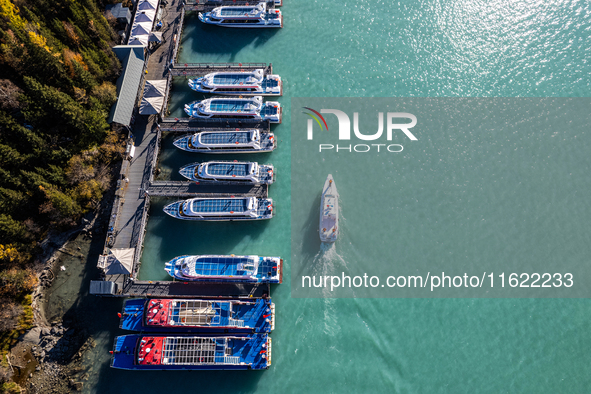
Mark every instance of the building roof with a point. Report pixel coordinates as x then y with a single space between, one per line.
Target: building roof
119 12
128 83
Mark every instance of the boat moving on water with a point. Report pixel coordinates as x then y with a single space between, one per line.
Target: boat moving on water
329 211
191 352
215 268
235 108
237 141
221 209
191 315
243 16
245 83
230 171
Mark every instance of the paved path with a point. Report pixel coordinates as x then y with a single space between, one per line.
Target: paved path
129 227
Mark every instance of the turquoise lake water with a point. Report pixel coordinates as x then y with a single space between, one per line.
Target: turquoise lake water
395 49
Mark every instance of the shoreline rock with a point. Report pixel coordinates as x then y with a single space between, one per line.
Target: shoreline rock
49 355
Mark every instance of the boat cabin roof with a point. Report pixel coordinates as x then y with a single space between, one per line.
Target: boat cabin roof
221 205
230 169
231 137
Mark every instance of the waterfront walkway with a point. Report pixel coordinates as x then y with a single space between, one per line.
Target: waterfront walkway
132 202
128 226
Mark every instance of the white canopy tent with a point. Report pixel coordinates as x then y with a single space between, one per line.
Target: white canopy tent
119 261
145 16
155 36
153 99
141 29
147 5
143 21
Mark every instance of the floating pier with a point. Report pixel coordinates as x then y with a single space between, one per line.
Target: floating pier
201 69
178 289
206 189
193 125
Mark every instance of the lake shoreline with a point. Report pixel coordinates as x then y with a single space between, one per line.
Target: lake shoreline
48 357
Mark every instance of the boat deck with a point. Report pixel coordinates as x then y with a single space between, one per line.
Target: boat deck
231 79
229 142
230 105
233 137
269 83
223 266
188 313
265 207
237 11
220 205
228 169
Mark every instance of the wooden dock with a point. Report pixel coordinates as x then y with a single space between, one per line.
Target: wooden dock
192 289
200 69
192 125
205 190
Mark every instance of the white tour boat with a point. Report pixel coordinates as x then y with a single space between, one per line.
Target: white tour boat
235 141
229 171
246 83
244 16
329 211
222 209
235 108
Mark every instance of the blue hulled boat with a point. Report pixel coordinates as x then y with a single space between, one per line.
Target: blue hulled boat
191 352
186 315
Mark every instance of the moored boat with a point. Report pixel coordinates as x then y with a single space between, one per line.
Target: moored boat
222 209
236 141
245 83
235 108
195 315
244 16
276 3
191 352
216 268
329 211
230 171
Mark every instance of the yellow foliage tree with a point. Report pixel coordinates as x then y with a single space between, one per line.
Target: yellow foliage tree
10 12
9 253
39 40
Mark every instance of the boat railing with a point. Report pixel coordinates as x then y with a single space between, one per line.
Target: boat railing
231 360
236 323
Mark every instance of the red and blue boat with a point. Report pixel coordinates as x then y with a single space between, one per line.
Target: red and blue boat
191 352
197 315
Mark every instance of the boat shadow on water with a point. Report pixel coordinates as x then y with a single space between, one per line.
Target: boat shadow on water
200 38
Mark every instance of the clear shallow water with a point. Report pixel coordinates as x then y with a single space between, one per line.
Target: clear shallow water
367 48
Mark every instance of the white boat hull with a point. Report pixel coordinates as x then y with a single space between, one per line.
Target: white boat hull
329 211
